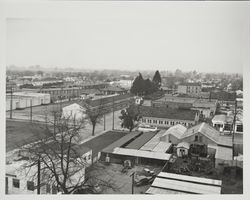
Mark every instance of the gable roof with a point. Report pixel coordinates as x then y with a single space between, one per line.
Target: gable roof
204 129
177 131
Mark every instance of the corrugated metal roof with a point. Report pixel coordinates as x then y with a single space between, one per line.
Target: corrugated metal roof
186 184
142 154
150 145
141 140
153 190
177 130
162 147
190 178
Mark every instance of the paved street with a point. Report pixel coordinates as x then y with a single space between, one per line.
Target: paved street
23 116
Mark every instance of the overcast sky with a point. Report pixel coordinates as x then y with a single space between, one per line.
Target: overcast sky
210 37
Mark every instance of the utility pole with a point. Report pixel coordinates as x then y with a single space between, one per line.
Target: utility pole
11 101
38 175
31 110
113 113
234 120
104 122
133 180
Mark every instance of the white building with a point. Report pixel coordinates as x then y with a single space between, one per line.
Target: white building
74 112
21 100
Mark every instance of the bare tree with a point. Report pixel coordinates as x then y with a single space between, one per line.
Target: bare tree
59 156
94 114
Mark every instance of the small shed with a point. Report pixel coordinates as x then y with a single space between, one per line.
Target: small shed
182 149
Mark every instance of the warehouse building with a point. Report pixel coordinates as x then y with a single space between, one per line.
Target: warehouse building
138 148
169 183
21 100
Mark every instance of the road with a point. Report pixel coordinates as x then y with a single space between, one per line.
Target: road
23 116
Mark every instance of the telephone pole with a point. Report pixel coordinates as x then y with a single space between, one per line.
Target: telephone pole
38 175
133 180
31 110
11 101
104 122
113 113
234 120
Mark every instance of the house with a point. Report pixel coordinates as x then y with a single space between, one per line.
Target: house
169 183
224 123
168 117
206 108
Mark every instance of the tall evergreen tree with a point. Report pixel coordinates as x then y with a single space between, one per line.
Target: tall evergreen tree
138 85
157 79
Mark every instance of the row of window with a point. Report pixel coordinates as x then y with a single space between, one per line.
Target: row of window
16 184
165 122
31 186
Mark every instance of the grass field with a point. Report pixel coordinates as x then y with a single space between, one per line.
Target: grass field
19 133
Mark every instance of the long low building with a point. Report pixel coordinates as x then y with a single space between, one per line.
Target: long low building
168 117
21 100
130 147
168 183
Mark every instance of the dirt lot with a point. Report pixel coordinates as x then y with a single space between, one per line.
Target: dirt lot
122 182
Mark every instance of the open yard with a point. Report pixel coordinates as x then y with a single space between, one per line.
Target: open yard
121 181
19 133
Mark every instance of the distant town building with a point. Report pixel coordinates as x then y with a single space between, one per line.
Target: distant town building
189 88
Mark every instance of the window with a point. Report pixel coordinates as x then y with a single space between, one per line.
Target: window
200 138
227 127
16 183
30 185
196 138
239 128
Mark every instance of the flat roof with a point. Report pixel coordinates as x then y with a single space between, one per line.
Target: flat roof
168 113
142 154
141 140
186 184
121 141
175 99
155 190
190 178
100 142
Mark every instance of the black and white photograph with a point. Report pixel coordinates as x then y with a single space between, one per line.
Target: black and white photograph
123 97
